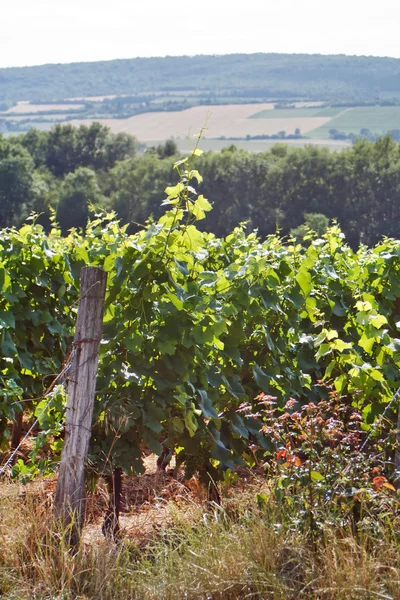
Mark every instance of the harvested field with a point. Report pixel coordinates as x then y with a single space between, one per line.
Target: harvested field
26 107
228 120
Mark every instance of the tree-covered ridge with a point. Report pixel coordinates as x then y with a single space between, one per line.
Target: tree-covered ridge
68 169
246 75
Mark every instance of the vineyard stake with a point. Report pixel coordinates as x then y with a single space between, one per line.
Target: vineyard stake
70 493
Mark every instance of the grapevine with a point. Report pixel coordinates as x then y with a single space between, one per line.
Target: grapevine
195 326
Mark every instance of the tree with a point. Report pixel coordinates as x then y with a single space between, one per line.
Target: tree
366 133
316 222
77 191
90 146
17 189
61 155
36 142
169 148
93 146
121 146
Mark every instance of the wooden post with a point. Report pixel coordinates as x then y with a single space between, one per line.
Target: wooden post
70 493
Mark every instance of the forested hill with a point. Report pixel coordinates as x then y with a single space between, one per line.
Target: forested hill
340 78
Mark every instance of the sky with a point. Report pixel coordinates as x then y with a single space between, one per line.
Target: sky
34 32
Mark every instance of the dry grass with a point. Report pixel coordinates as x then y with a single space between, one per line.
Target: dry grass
173 547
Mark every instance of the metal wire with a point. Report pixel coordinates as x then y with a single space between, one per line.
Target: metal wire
372 431
61 377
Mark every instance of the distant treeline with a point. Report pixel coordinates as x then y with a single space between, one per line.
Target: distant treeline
68 168
334 134
281 135
276 76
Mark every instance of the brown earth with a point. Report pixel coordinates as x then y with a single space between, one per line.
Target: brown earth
149 502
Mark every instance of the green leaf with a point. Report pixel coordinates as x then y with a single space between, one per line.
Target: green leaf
203 204
194 173
340 383
178 425
377 375
174 191
304 280
7 345
378 321
363 306
234 386
262 379
182 267
192 238
191 422
323 350
167 346
340 345
154 446
109 262
366 343
2 277
7 319
206 405
332 334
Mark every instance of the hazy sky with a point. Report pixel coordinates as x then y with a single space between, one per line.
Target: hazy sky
50 31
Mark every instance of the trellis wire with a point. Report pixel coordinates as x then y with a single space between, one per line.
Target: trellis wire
380 419
59 379
372 431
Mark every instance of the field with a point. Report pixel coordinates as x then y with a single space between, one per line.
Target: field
26 107
226 120
153 120
297 113
378 119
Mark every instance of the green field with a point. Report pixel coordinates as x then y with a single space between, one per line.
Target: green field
378 119
296 113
